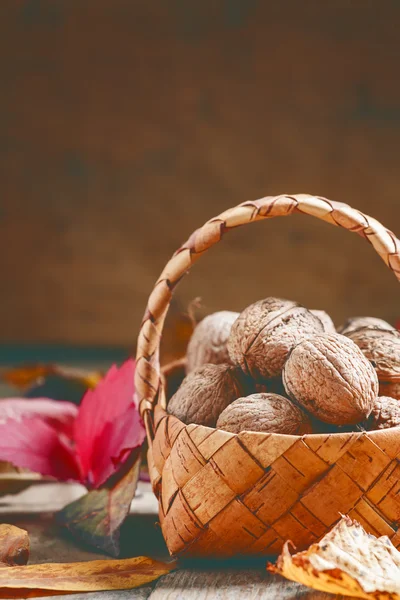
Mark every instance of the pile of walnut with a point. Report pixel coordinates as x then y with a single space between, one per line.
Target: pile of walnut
278 367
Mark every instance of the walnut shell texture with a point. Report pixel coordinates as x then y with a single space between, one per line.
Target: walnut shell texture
267 413
205 393
331 378
265 332
209 339
382 347
390 389
357 322
328 324
385 414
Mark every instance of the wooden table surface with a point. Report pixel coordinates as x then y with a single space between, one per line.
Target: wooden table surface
195 580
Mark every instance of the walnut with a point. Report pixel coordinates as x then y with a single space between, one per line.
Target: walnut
205 392
382 348
385 414
357 322
325 319
268 413
265 332
390 388
209 339
331 378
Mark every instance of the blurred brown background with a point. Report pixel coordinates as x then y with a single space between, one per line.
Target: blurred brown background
125 124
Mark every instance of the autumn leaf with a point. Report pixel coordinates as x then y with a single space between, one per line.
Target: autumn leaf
27 375
91 576
348 561
97 444
32 443
60 415
52 381
86 444
14 545
108 425
96 518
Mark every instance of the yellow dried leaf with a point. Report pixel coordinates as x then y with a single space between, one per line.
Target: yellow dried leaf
346 561
23 377
91 576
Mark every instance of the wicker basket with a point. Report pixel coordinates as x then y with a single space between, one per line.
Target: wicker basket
222 494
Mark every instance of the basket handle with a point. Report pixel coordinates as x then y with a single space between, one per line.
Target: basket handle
147 373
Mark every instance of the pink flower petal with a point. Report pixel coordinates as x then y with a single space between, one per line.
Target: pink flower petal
114 445
60 415
31 443
108 423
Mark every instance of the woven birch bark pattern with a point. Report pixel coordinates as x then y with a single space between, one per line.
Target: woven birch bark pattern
222 494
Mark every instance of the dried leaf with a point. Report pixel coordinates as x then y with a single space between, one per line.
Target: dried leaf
96 518
52 381
97 444
14 545
28 375
346 561
91 576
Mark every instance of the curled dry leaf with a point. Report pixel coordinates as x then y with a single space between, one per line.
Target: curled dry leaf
346 561
91 576
14 545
